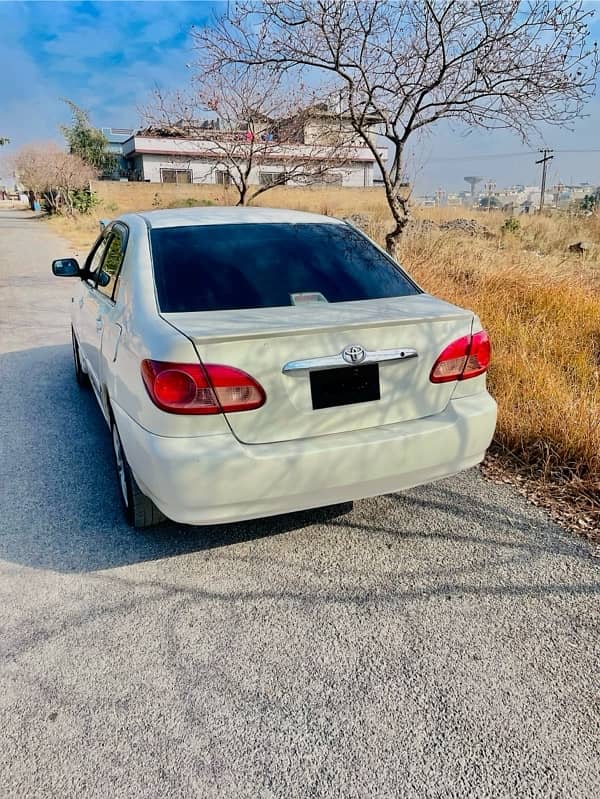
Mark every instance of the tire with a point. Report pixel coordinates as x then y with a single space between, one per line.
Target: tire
140 511
83 380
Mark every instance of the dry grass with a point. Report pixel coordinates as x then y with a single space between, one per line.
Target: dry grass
540 303
119 198
545 328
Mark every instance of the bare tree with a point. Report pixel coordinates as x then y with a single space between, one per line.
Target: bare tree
254 123
487 63
53 174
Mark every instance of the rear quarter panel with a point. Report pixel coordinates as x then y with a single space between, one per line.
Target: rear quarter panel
144 334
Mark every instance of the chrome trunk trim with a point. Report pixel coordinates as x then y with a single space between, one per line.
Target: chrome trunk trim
338 361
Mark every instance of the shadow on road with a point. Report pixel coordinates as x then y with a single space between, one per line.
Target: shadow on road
60 507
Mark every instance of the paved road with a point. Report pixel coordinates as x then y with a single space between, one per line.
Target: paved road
438 643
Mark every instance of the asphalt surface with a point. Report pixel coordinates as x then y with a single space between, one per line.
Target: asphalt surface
437 643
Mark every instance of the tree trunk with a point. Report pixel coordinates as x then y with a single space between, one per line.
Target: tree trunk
399 207
50 197
397 197
243 191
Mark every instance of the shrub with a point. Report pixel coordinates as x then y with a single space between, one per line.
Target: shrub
84 201
190 202
511 225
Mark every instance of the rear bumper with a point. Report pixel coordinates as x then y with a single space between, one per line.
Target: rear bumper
212 479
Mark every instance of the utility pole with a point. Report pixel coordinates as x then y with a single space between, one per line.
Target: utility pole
546 156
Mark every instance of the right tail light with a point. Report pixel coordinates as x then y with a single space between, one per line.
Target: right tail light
466 357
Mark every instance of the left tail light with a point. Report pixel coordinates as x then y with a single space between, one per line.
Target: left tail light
201 389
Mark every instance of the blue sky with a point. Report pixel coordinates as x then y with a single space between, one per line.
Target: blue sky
107 57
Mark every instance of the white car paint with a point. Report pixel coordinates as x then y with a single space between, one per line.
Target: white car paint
283 456
260 341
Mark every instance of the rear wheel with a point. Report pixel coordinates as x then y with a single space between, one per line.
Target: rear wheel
82 378
140 511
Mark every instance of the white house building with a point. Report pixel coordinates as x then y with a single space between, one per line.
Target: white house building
198 157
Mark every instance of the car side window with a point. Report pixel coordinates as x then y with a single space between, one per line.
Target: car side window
108 274
95 259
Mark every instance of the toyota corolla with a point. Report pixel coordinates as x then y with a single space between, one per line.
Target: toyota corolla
251 362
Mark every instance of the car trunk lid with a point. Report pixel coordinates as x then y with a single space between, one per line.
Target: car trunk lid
264 341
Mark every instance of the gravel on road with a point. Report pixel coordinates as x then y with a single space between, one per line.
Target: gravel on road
441 642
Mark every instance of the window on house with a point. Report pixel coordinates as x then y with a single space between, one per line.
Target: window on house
222 177
176 175
271 178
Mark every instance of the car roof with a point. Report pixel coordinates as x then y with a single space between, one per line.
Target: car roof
228 215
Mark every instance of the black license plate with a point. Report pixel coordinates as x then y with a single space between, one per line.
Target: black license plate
345 386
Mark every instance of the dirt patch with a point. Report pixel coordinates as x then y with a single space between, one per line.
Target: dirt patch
468 227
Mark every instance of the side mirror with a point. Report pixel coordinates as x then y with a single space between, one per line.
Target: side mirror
103 279
66 267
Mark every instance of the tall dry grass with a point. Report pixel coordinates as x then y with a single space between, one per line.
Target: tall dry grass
544 323
540 303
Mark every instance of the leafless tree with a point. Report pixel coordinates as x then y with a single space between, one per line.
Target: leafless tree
487 63
254 122
55 175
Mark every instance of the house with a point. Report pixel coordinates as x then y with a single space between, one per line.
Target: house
181 154
455 199
518 196
426 201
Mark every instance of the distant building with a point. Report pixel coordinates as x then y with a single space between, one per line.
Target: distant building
517 197
513 199
182 155
443 199
455 199
426 201
562 196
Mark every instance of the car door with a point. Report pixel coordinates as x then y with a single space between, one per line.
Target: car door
87 313
107 325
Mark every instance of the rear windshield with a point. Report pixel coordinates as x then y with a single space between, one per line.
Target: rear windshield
227 267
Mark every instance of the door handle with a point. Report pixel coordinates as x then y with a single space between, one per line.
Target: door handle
99 323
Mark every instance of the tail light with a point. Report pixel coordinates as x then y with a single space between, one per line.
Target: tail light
466 357
201 388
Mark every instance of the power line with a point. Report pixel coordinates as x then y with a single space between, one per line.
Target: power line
479 157
592 150
507 155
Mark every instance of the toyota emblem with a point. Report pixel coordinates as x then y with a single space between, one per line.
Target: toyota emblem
354 354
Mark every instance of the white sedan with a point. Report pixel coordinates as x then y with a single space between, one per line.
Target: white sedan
251 362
